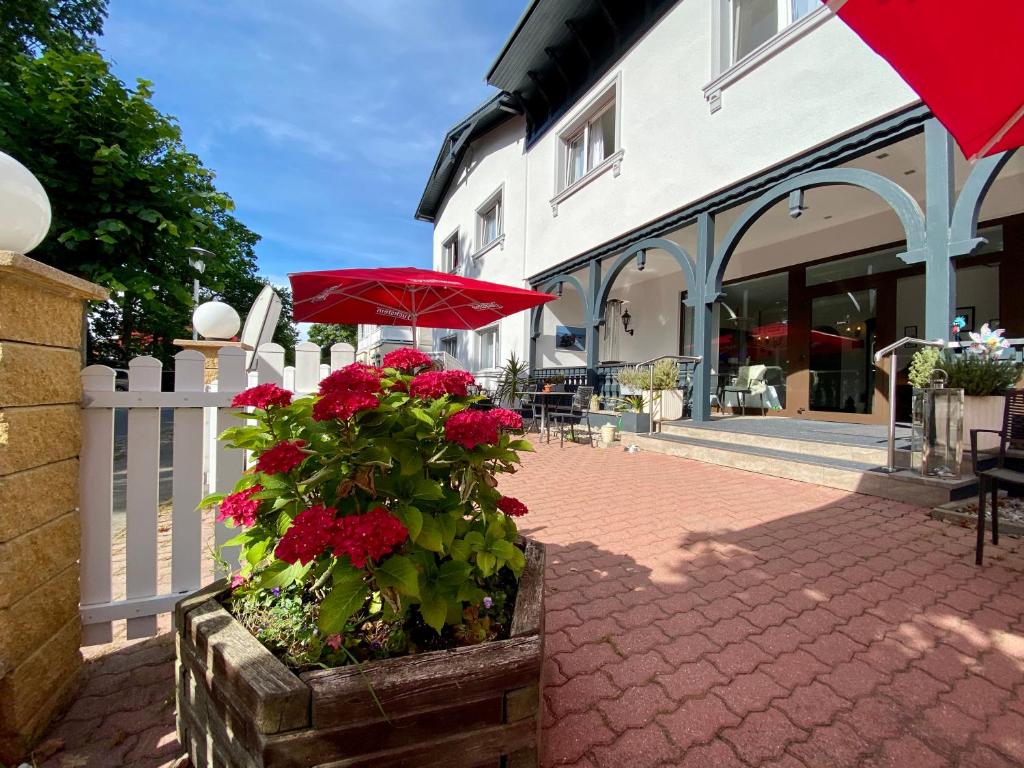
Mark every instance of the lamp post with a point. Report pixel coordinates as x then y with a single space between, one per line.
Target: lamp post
199 266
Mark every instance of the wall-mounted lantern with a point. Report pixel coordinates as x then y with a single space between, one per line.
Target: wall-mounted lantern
627 319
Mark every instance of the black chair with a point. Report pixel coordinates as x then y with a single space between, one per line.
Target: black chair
990 478
577 413
532 404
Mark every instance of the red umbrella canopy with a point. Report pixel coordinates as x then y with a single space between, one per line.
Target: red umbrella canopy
405 296
962 57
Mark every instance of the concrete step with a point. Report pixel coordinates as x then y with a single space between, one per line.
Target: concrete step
817 468
874 456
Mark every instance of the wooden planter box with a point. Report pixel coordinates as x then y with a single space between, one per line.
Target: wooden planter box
239 706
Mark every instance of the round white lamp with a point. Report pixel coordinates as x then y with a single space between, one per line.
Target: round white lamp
216 320
24 207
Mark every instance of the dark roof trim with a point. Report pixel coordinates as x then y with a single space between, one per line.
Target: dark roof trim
490 114
523 18
895 127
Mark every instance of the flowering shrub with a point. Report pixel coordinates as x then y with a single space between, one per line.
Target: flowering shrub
369 520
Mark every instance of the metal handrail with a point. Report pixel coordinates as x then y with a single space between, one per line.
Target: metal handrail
890 352
650 363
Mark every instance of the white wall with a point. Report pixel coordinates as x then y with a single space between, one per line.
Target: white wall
494 161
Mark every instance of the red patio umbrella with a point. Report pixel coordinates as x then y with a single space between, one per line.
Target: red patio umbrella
962 57
405 296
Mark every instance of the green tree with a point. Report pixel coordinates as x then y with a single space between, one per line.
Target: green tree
324 335
128 199
29 26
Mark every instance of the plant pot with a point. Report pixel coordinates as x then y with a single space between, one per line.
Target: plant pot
983 413
595 403
547 387
607 434
635 422
625 390
238 705
669 406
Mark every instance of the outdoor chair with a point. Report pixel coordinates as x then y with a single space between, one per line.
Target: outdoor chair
577 413
990 478
531 404
749 381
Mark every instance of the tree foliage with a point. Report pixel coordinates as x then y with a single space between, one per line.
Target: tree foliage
128 198
325 335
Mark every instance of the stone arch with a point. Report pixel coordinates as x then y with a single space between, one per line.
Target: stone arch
902 203
546 287
673 249
963 229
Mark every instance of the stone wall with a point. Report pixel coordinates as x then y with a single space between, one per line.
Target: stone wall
41 316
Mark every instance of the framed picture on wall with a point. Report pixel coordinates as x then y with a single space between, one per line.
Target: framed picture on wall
968 314
570 337
910 330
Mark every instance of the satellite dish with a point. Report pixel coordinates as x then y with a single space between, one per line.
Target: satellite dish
260 323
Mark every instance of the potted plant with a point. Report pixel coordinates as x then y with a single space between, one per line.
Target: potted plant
984 373
555 383
386 611
632 379
632 417
511 382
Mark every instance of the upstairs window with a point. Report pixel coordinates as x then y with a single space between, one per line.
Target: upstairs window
450 254
754 22
450 345
588 145
488 222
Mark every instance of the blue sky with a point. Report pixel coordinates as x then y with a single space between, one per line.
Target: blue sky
321 118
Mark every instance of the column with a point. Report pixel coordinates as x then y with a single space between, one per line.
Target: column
940 269
703 317
593 322
41 331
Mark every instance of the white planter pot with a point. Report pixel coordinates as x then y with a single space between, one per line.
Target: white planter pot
983 413
669 406
625 390
607 434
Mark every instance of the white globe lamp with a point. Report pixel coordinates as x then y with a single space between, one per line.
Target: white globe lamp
216 320
24 207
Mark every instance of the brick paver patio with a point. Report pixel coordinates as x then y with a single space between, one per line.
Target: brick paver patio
703 616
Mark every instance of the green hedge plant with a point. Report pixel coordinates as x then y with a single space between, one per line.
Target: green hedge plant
370 524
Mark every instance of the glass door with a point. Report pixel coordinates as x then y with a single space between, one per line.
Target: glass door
842 341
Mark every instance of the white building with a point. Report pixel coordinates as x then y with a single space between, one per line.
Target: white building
742 180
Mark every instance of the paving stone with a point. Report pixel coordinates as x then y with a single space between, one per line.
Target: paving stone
637 669
694 679
762 736
977 695
717 754
906 751
794 669
682 650
776 641
581 693
853 679
814 704
697 721
573 736
947 725
832 746
636 707
644 748
749 693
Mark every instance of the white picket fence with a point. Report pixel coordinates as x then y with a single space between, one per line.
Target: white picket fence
201 465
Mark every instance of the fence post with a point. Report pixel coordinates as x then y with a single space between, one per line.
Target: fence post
229 463
307 367
342 354
41 314
187 480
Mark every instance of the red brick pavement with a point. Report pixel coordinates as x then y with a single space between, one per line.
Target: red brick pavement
703 616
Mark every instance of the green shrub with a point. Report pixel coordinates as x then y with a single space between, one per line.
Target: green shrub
977 375
924 361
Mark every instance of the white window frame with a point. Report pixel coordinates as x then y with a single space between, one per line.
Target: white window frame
725 71
495 200
608 97
452 241
452 338
495 362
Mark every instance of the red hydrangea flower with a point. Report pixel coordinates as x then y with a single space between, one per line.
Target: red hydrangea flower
406 359
283 457
512 506
342 404
471 428
434 384
308 536
241 507
262 396
507 419
357 377
371 535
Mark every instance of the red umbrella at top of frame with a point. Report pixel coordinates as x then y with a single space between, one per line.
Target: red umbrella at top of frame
419 298
962 57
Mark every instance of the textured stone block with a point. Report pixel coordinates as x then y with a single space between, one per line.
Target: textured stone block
32 558
36 435
30 622
37 689
33 375
37 316
23 507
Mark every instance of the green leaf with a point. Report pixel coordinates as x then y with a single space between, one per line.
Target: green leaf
426 488
520 445
255 553
447 526
486 562
398 573
453 573
434 609
411 518
430 535
503 549
282 574
347 597
475 540
517 562
460 549
209 501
